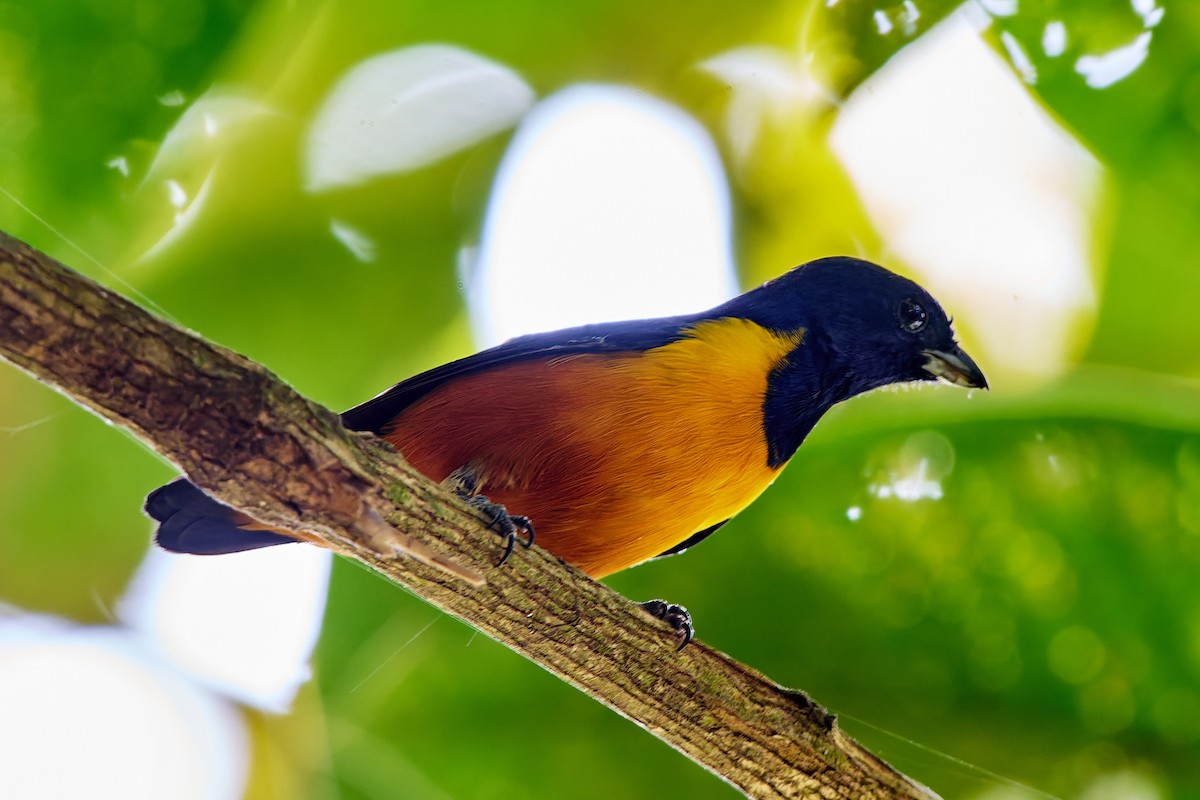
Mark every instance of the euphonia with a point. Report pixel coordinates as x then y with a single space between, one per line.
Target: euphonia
626 441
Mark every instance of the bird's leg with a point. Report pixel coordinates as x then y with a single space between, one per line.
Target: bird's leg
674 615
465 482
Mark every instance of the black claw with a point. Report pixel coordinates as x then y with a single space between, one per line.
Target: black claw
523 523
504 524
674 615
509 541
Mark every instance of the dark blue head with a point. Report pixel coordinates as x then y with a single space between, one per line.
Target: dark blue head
865 327
873 325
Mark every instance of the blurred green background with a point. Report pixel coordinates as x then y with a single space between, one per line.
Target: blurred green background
1038 623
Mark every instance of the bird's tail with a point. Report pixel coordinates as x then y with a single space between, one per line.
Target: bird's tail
189 521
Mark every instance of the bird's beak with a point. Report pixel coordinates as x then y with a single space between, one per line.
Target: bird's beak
954 366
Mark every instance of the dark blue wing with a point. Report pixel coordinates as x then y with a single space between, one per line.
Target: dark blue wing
606 337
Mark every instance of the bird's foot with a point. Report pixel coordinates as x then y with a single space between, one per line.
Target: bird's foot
674 615
466 482
505 524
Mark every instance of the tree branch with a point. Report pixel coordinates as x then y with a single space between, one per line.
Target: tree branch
255 444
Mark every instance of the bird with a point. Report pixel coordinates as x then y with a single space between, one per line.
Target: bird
629 441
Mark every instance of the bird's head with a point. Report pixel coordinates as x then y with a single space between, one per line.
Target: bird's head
879 327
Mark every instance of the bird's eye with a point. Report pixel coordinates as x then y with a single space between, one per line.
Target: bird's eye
913 316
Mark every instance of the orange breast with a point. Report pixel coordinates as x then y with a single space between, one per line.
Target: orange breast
615 458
